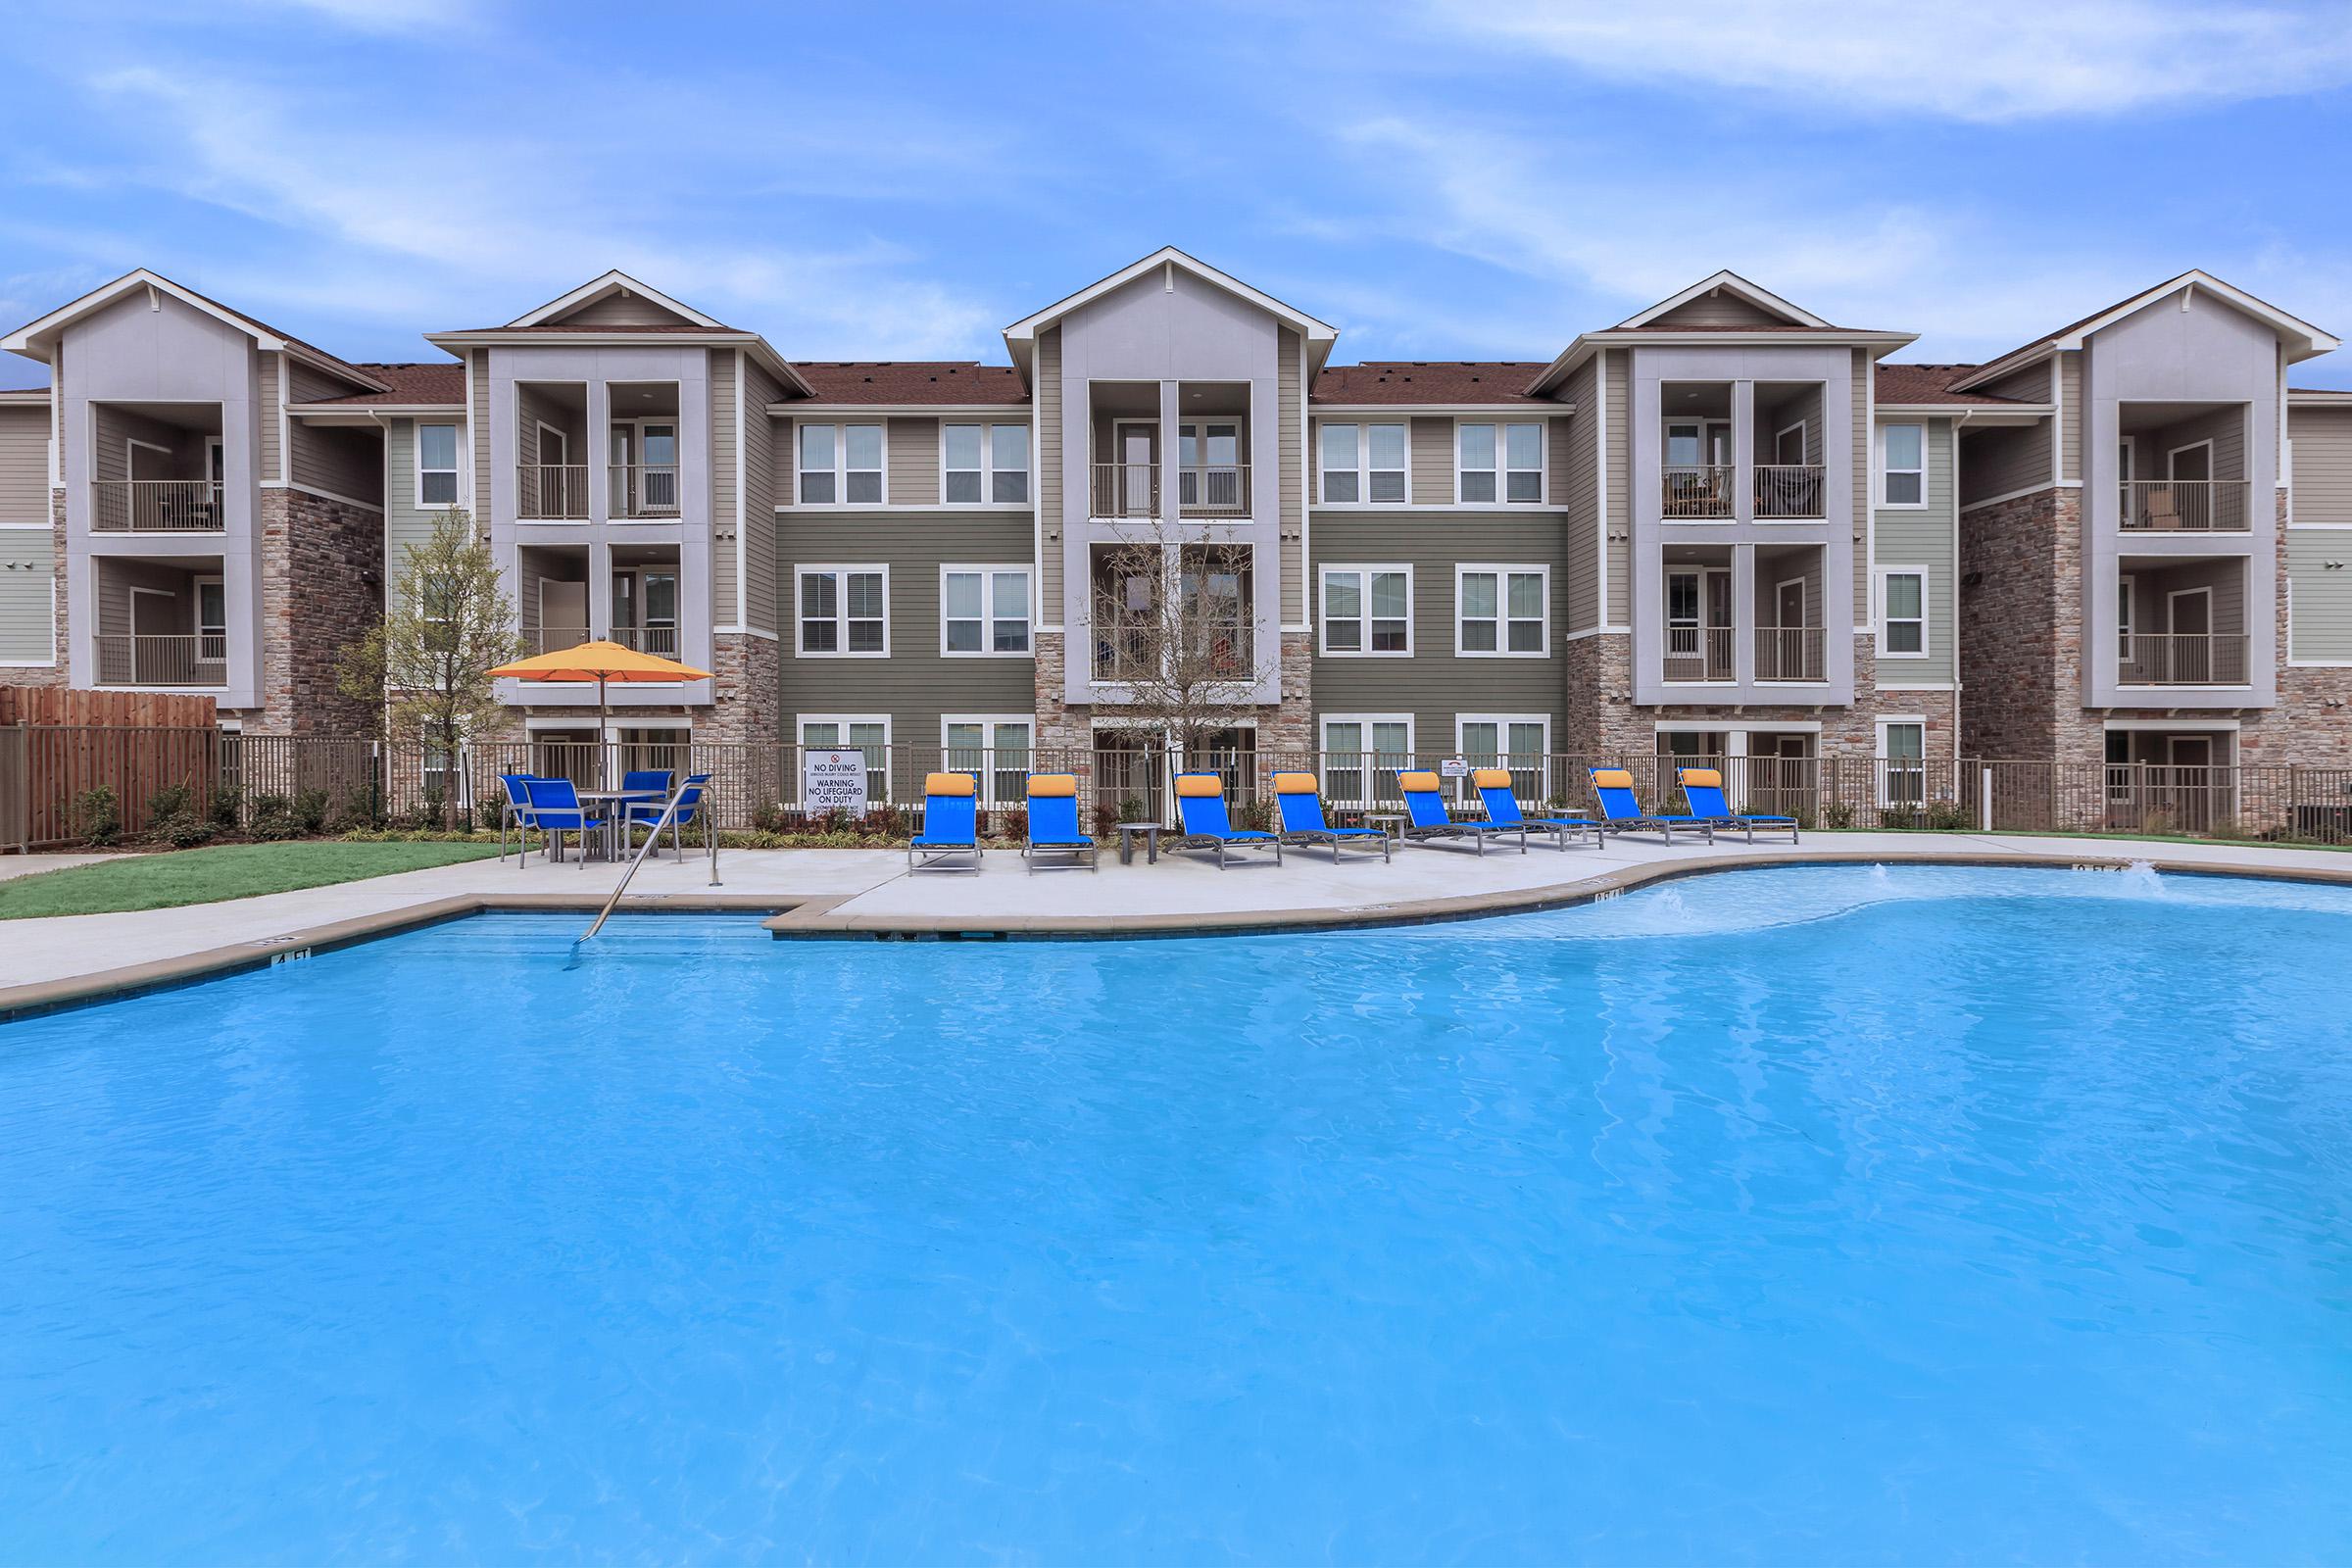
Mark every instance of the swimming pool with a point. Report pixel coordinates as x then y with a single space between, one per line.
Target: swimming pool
1808 1214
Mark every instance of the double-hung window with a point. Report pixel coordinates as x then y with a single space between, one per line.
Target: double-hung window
1501 611
1903 465
1359 753
1498 462
856 732
1368 609
845 612
1364 464
984 610
841 464
1519 742
437 466
985 464
1902 753
994 750
1906 614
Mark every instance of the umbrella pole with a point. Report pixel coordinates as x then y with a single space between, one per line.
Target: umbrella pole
604 719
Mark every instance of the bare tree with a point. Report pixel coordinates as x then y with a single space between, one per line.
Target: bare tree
426 667
1172 625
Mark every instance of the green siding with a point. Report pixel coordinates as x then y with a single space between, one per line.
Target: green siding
2320 612
405 522
1924 538
27 616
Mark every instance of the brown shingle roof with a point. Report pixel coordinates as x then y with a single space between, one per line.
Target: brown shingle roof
1931 383
912 381
441 383
596 328
1433 382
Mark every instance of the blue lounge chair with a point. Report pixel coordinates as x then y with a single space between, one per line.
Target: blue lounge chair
555 810
1493 785
1054 823
1620 812
1301 801
1426 816
1201 802
518 812
1702 792
949 803
648 814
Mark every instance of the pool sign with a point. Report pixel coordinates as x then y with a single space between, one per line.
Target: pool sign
1455 767
833 781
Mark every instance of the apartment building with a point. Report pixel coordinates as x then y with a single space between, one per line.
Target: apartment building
1723 526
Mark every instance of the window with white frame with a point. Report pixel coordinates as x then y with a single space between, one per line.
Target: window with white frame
437 466
845 612
985 464
2124 595
841 464
1903 465
1360 751
1519 742
1368 609
1905 633
1364 464
841 732
984 611
994 750
1501 611
1902 760
1498 462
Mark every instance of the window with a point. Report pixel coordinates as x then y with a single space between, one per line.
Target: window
437 466
1903 465
845 612
994 750
1363 464
836 732
1902 767
212 619
984 611
2123 616
985 464
1368 609
841 464
1520 448
1519 742
1501 612
1905 635
1361 753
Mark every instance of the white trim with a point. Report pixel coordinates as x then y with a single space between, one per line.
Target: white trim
1601 476
1546 410
1926 649
1502 470
1322 719
2174 452
1878 498
1307 456
1879 753
1169 255
799 730
1364 572
1363 470
841 464
1369 755
24 339
1731 281
1503 721
2126 614
1596 631
615 283
841 607
1799 428
1503 572
418 470
329 495
2311 339
743 502
745 631
1918 686
988 573
991 756
2012 495
2172 596
1741 726
987 469
2217 726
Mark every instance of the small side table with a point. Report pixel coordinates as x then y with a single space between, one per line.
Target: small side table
1128 832
1390 822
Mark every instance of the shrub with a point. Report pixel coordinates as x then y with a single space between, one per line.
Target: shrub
98 815
486 815
182 830
1842 816
361 808
770 818
273 819
229 805
309 810
172 800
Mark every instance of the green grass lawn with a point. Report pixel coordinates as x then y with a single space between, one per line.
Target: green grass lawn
203 877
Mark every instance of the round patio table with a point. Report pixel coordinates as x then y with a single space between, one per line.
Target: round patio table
621 800
1127 832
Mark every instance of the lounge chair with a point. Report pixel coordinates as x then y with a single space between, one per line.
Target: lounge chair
1702 791
1426 816
1302 804
648 814
949 803
1201 804
516 811
1620 812
555 810
1054 823
1493 785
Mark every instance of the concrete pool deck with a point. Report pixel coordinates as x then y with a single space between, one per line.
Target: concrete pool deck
60 960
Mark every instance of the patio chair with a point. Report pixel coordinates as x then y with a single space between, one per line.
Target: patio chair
1200 804
1494 793
951 803
648 814
1053 824
1426 816
555 810
1620 812
516 809
1702 792
1300 798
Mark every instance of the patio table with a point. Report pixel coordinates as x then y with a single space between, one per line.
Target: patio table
620 800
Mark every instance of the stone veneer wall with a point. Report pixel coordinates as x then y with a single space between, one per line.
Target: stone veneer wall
322 586
749 692
1285 729
2021 625
1603 719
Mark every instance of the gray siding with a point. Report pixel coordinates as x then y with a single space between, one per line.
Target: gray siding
1290 471
616 310
1049 475
2318 574
724 497
1433 461
760 482
912 454
406 522
1617 396
1858 404
1575 471
27 578
339 460
479 373
25 464
1718 308
1924 538
2151 593
273 458
2004 461
113 429
2323 472
2070 410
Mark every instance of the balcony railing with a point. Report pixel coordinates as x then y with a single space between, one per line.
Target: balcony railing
555 639
2185 505
1123 649
176 659
1126 490
1697 492
645 490
1790 653
659 641
1698 652
1216 491
552 491
155 506
1790 490
2182 658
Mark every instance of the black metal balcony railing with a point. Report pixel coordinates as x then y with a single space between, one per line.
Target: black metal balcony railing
1786 490
155 506
1698 652
2185 505
1790 653
2182 658
173 659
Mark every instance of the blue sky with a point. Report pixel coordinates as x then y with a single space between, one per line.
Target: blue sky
1440 179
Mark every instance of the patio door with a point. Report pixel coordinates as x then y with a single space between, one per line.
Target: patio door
1209 454
2189 613
562 615
2189 790
155 657
1138 456
212 620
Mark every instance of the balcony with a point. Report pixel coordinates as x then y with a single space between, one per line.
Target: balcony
157 506
659 641
2185 505
556 639
551 492
1213 490
1792 652
162 659
2182 659
1698 491
1789 491
1700 653
1125 490
644 491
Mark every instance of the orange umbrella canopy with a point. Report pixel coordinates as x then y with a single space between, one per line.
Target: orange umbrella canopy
600 661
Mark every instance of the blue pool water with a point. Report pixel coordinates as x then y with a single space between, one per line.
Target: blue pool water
1822 1215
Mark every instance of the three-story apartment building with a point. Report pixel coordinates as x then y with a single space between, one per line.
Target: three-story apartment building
1724 526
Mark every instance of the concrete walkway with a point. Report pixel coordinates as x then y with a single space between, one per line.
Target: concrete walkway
853 892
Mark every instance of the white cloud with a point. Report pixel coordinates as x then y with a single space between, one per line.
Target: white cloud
1989 61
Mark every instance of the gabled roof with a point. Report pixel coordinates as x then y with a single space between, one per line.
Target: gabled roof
1646 327
1912 386
1427 383
1727 282
2303 340
546 324
611 283
910 382
440 385
34 339
1021 335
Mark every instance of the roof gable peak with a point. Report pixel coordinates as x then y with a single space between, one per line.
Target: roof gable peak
1727 282
612 285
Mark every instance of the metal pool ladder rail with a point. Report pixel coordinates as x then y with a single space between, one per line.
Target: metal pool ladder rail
668 810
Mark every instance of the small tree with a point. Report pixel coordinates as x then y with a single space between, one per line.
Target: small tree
1173 624
424 667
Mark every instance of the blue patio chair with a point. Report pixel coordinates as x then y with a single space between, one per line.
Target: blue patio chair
1494 793
1300 798
950 803
1200 804
1054 823
1426 816
555 810
647 781
1620 812
1702 792
516 809
648 814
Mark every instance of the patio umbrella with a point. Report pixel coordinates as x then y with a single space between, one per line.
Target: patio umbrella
599 661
